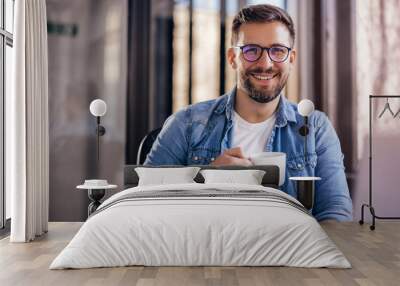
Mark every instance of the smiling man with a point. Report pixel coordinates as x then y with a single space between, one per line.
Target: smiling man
256 117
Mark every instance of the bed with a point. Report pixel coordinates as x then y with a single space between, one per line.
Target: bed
198 224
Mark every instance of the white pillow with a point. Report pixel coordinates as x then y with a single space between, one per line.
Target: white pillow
164 176
248 177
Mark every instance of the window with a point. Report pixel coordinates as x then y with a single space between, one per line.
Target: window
197 57
6 65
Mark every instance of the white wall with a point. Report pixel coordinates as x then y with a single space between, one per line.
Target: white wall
385 176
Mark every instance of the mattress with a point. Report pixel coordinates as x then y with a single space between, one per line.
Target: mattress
201 225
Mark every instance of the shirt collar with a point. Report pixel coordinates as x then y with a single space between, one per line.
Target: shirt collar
284 113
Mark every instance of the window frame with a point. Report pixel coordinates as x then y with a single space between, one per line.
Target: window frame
6 39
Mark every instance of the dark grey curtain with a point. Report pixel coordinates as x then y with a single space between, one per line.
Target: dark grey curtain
139 13
150 59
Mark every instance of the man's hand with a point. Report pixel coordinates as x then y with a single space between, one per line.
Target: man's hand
233 156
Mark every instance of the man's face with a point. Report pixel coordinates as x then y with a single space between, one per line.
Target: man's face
263 79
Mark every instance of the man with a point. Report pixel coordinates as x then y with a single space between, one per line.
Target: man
256 117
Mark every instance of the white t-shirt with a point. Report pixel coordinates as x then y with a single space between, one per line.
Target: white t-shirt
251 137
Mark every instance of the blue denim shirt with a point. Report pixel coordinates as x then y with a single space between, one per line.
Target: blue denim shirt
201 132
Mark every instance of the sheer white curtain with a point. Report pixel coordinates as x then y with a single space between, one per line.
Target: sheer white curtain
27 124
378 67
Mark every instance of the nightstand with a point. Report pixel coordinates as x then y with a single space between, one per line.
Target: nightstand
96 190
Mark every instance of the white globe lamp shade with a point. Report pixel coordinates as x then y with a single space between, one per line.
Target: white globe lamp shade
305 107
98 107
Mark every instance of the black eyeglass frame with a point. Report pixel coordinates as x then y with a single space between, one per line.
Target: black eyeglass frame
262 51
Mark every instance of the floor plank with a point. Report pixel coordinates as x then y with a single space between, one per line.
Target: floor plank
374 255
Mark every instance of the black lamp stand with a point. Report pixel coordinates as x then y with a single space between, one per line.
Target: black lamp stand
95 195
304 130
100 131
305 188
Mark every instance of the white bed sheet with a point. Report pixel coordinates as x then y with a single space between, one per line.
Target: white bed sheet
200 231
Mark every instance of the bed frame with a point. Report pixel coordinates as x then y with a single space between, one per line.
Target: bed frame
270 179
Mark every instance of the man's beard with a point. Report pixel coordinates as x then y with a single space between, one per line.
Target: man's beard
261 96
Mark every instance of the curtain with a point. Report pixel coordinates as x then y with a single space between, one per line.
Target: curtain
27 158
378 66
378 70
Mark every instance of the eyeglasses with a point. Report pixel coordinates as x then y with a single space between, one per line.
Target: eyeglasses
253 52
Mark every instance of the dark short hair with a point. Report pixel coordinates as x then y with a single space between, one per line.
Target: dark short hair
262 13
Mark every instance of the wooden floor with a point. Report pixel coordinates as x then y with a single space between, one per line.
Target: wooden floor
374 255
